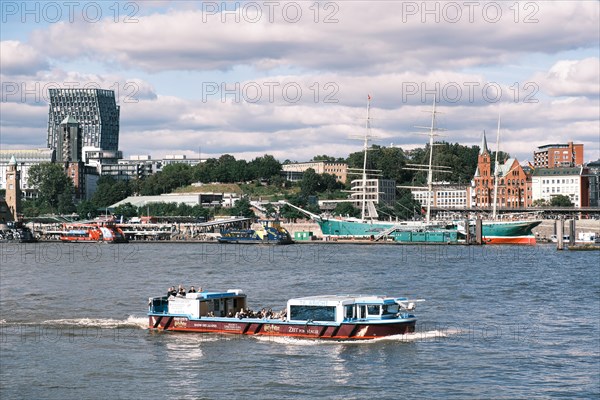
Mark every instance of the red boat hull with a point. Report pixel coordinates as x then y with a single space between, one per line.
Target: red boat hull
357 330
528 240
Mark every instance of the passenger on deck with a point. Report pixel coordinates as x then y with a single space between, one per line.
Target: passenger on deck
181 292
192 290
171 292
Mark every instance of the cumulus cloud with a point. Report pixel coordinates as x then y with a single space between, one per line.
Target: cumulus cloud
378 36
20 58
572 78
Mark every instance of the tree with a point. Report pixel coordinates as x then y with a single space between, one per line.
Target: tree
310 183
265 167
406 206
242 208
55 189
127 210
110 191
539 203
346 209
561 201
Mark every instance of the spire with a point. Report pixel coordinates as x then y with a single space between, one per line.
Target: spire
13 160
483 148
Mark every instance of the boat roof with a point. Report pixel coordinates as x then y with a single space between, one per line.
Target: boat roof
331 300
215 295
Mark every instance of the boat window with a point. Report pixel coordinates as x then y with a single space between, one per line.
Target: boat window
315 313
362 312
373 309
390 309
216 305
349 312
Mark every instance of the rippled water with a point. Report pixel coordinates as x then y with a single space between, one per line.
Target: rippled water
499 322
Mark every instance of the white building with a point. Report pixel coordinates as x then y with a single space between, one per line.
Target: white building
444 196
25 159
293 171
379 191
547 183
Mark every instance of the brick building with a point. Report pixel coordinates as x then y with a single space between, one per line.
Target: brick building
558 156
514 185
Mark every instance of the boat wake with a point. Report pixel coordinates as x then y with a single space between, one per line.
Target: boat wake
105 323
406 338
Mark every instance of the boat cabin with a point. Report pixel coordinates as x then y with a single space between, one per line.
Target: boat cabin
340 308
200 304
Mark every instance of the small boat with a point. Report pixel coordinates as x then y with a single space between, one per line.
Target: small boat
338 317
104 231
274 234
582 238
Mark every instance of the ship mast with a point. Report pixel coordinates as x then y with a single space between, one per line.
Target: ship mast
366 148
494 206
430 170
433 129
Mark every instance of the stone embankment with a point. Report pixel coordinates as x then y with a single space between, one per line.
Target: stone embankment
546 228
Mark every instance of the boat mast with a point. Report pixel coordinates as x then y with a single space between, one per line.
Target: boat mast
496 171
365 148
430 169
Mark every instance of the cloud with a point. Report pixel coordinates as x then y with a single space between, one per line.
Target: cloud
20 58
572 78
364 36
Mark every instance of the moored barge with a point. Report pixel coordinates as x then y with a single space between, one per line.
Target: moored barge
338 317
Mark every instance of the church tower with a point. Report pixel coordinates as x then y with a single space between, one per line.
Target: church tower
13 189
484 180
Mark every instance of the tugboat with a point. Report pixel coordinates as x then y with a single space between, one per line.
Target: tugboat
274 234
338 317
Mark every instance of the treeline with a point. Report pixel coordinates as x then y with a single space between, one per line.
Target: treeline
56 189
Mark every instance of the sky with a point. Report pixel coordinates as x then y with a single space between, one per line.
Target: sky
292 78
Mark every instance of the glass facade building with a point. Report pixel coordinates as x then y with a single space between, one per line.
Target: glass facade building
96 111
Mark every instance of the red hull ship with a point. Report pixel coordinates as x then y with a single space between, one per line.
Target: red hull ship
339 317
94 232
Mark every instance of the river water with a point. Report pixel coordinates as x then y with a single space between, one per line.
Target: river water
498 322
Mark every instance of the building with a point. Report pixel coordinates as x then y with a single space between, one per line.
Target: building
444 195
379 191
25 159
180 159
593 169
514 185
293 171
558 155
13 189
190 199
136 167
547 183
95 110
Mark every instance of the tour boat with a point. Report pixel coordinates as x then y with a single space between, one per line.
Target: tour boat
100 231
338 317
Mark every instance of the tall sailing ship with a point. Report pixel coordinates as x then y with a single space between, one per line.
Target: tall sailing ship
494 231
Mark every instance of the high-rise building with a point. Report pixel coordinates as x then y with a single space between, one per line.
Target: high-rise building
96 112
558 156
